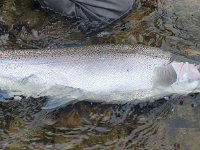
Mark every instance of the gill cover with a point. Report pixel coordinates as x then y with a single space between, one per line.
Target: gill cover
177 77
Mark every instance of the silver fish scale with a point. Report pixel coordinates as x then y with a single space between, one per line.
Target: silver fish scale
86 50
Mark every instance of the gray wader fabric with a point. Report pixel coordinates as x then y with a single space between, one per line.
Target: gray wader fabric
106 11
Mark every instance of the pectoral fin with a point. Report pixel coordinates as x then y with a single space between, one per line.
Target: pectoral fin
164 76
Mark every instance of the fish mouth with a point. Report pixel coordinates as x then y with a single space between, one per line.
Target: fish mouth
175 73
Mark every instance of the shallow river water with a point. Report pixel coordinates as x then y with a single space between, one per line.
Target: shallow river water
172 123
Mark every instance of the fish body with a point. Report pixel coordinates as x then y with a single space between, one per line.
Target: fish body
100 72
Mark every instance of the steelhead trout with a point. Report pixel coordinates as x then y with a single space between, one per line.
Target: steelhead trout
109 73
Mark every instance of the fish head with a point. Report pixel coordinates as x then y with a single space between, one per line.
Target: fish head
177 77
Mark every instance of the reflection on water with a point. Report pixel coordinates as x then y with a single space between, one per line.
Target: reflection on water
164 124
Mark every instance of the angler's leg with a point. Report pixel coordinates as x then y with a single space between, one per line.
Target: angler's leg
93 10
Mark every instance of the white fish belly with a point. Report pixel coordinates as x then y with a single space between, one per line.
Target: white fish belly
92 74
